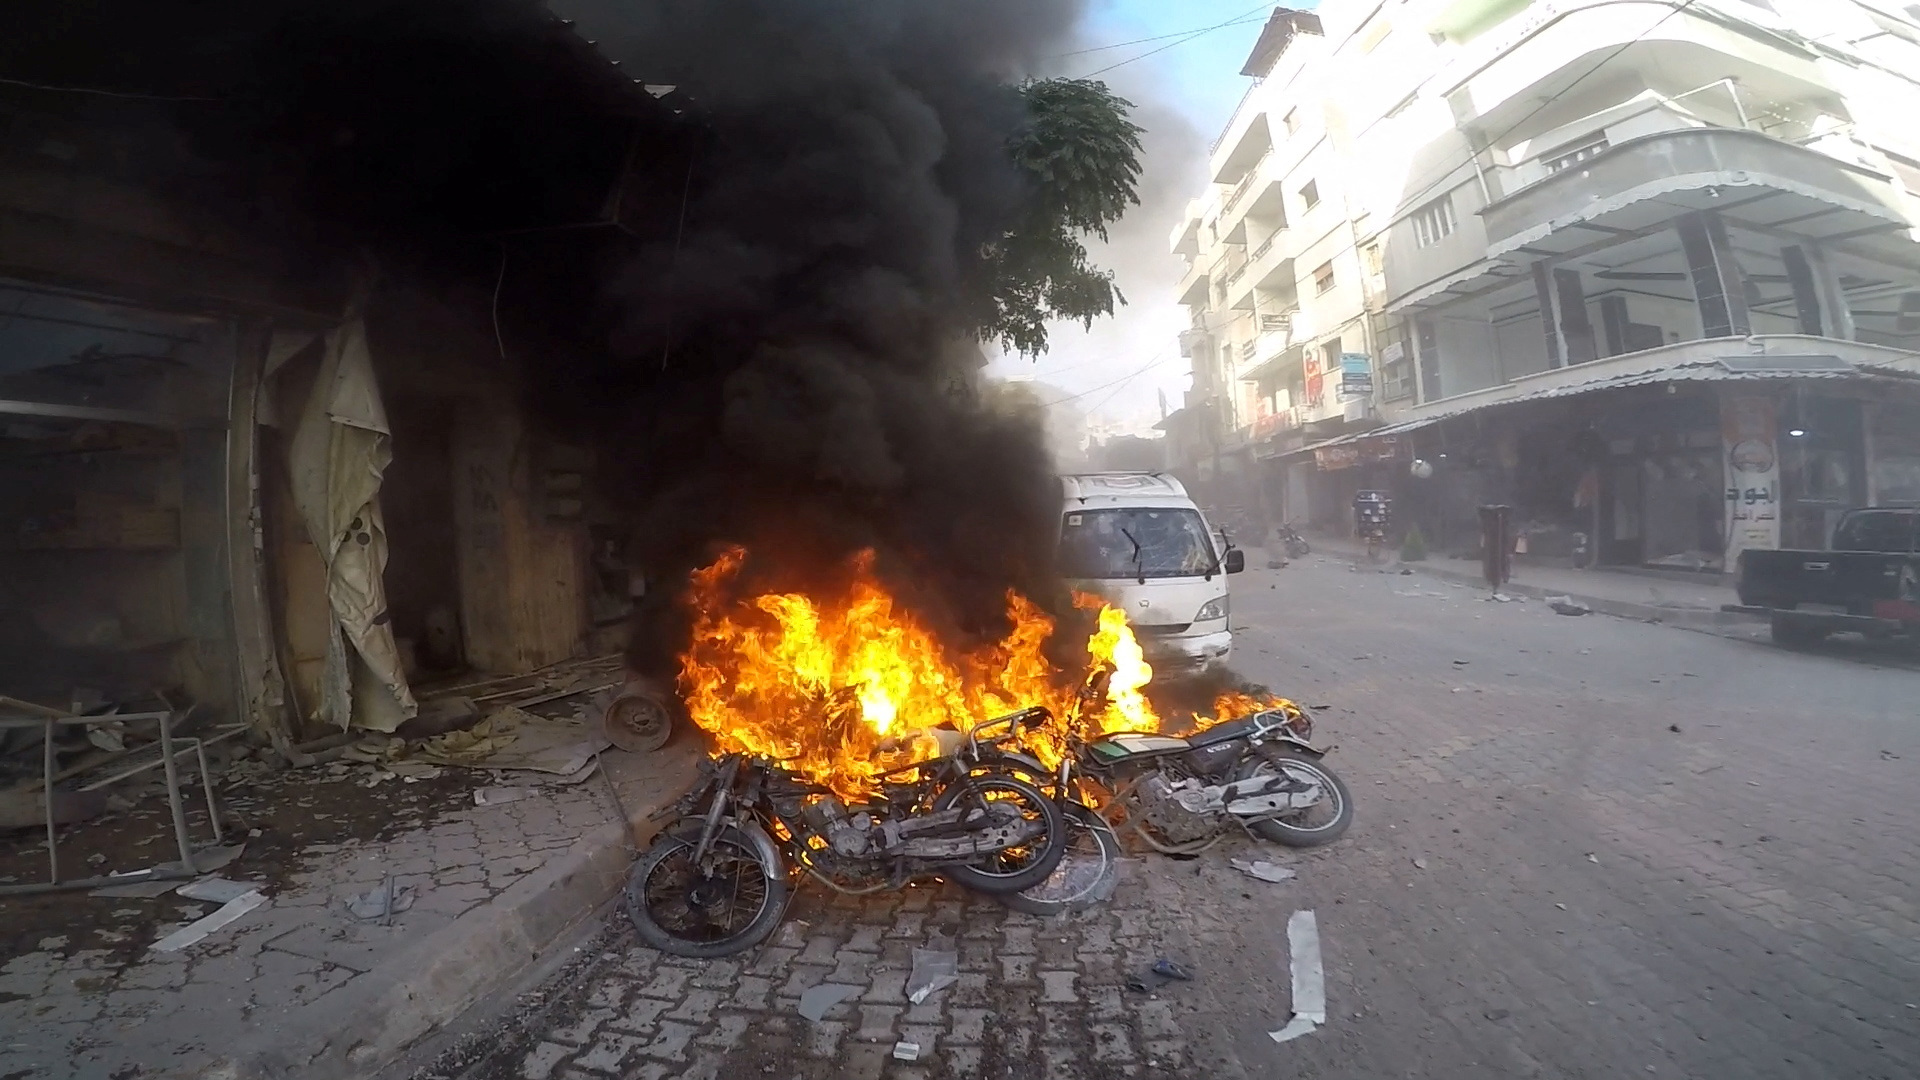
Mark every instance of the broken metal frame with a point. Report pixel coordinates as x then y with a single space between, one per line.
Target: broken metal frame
164 720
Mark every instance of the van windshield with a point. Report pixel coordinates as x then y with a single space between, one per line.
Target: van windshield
1100 543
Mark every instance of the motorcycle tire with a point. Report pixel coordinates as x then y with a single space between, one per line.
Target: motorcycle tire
651 909
982 875
1298 549
1269 758
1087 874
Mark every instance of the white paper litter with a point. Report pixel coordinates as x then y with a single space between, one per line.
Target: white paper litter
1309 978
1263 870
933 970
816 1000
216 890
200 928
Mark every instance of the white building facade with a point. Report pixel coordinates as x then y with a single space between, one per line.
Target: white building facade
1645 270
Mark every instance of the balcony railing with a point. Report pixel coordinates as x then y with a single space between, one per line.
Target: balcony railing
1245 185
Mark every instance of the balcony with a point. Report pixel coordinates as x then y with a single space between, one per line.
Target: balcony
1246 140
1270 267
1551 47
1195 284
1749 178
1186 235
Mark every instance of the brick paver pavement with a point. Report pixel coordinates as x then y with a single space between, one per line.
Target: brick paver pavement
1545 879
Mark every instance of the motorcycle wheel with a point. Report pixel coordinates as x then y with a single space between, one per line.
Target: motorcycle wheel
1016 868
1298 548
680 911
1316 825
1087 873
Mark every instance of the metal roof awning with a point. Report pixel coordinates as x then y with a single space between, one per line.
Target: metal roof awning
1718 369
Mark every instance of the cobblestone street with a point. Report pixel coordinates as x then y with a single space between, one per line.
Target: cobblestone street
1584 848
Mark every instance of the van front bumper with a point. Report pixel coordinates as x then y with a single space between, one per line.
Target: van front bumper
1192 653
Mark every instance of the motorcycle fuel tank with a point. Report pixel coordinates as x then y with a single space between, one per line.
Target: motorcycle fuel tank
1135 744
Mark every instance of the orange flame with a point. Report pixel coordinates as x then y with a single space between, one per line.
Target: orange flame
843 687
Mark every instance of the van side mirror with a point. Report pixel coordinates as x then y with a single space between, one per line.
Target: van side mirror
1236 560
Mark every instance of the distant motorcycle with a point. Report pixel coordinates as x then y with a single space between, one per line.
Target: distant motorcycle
717 881
1295 544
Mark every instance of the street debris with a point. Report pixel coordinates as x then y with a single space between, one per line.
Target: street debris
816 1000
1161 973
933 970
792 935
381 902
1420 863
1309 978
906 1051
198 929
1167 969
494 796
1566 605
216 890
1263 870
165 877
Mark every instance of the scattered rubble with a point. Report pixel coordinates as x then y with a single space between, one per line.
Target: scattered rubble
1264 870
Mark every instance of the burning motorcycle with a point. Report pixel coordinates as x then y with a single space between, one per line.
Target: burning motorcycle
717 881
1259 772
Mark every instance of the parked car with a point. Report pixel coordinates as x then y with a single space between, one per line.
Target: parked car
1869 581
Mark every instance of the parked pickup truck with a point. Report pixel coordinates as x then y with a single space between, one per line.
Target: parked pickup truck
1869 582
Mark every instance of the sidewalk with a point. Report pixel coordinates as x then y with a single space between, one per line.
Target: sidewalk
299 987
1612 592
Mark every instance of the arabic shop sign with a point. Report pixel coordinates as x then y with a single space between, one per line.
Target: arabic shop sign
1356 375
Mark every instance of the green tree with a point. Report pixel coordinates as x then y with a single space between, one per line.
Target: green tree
1080 157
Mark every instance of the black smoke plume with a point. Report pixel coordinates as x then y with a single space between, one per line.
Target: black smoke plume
793 369
771 345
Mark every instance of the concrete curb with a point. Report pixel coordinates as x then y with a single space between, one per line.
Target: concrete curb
1624 609
435 980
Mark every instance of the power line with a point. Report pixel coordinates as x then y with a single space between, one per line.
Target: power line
1239 20
96 91
1119 384
1183 39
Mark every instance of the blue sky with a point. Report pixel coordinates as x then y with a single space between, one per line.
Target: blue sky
1184 90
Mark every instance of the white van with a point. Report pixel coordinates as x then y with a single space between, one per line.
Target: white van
1138 541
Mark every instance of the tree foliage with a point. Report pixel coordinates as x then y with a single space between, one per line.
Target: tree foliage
1079 156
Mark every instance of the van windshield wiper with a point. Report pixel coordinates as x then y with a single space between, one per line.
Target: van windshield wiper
1139 568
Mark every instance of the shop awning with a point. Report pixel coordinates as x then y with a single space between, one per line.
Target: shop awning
1886 366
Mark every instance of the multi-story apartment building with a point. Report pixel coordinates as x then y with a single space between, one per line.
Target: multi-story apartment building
1645 270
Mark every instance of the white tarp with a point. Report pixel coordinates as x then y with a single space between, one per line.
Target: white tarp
339 452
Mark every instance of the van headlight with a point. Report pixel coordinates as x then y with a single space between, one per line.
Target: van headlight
1212 609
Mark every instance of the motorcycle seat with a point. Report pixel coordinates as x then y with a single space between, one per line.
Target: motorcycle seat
1225 731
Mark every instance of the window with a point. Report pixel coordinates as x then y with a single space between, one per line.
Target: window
1310 195
1375 265
1323 278
1291 121
1396 380
1433 222
1573 154
1135 543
